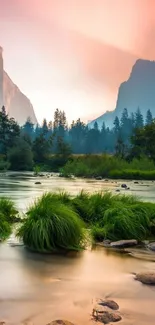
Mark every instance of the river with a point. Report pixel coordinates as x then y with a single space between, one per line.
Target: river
36 289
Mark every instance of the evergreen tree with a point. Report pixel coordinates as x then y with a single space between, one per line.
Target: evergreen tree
9 131
139 121
149 117
116 125
28 128
45 128
124 117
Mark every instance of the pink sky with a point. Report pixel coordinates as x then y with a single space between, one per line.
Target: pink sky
73 54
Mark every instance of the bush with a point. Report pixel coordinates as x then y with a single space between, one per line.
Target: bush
20 157
133 174
109 166
4 165
52 226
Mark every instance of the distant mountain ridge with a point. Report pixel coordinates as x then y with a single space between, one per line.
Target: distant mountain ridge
137 91
16 103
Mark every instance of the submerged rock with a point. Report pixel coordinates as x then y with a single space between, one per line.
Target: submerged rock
124 243
146 277
60 322
105 315
151 246
106 243
124 186
37 183
98 178
109 303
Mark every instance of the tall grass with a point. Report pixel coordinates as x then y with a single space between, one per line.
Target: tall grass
109 166
52 226
54 222
5 228
8 210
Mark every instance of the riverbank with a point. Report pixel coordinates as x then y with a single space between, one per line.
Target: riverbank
112 167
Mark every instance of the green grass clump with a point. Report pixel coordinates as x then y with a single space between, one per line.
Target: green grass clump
5 228
126 223
52 226
98 233
8 210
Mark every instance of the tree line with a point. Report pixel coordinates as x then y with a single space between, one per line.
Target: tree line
22 146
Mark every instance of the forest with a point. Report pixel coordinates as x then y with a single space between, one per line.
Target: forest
53 145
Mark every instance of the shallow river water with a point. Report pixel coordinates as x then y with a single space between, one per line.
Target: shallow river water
36 289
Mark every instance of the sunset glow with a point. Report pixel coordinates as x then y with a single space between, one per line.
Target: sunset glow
73 54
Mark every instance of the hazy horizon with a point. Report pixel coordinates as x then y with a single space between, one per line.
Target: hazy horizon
74 54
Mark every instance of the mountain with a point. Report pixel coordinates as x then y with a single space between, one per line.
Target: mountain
137 91
16 103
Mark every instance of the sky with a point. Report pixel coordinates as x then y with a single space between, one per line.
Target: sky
73 54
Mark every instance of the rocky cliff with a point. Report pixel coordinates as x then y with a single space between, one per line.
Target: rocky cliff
137 91
16 103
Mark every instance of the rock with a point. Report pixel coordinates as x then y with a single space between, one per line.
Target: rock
117 190
109 303
37 183
98 178
151 246
106 243
105 315
146 277
136 182
124 186
124 243
60 322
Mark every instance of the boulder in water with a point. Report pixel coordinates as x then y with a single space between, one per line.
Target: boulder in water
105 315
124 243
37 183
151 246
146 277
98 178
123 185
109 303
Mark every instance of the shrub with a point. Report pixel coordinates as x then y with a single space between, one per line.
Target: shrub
4 165
52 226
20 157
109 166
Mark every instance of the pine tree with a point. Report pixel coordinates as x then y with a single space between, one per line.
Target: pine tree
116 125
149 117
139 121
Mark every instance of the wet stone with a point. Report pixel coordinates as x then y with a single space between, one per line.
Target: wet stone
124 243
151 246
109 303
124 186
105 315
146 278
